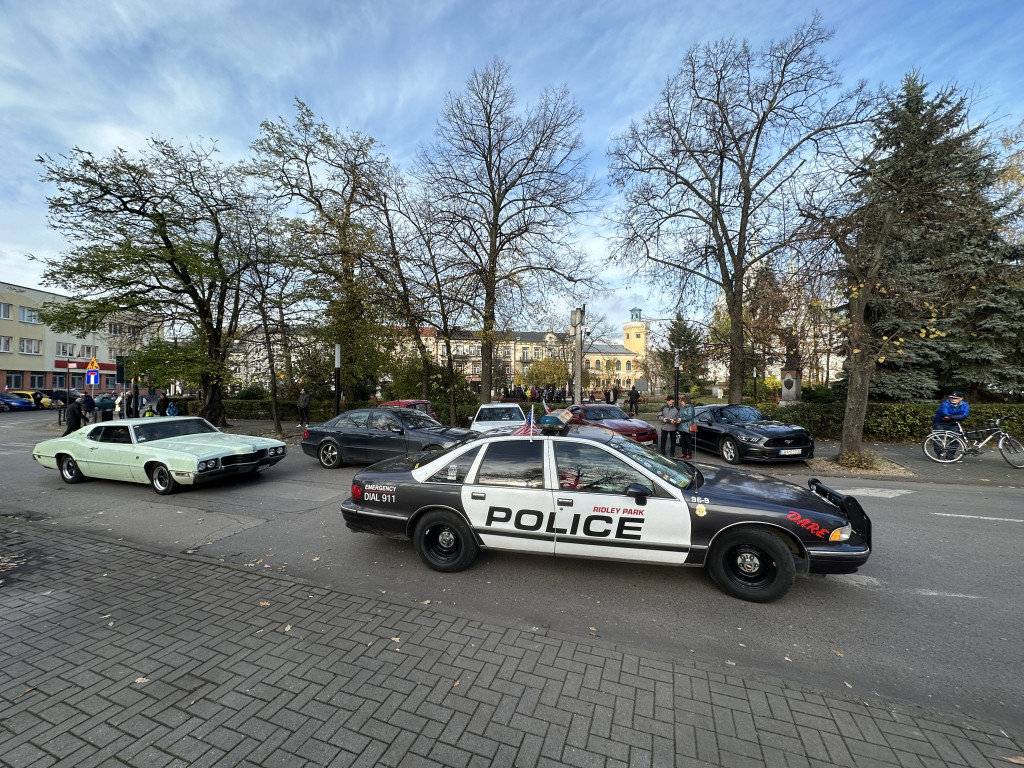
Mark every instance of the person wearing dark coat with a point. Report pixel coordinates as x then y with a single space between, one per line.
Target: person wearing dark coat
75 417
161 404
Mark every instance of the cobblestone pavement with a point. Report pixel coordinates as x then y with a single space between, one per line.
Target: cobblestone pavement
114 655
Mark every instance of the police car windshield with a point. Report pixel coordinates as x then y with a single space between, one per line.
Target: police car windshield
672 472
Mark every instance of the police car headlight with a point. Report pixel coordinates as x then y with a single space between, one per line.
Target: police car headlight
750 438
841 534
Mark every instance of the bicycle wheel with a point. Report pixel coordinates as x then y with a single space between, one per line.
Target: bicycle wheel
1012 450
944 447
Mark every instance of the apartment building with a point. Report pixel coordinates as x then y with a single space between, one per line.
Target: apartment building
33 356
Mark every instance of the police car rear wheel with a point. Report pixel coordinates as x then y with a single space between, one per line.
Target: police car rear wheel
444 542
752 565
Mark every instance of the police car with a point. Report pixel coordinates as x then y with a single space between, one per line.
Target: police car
577 491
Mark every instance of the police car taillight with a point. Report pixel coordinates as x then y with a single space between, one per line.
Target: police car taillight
357 491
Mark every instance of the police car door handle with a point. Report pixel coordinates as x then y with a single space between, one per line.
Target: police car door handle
478 495
565 502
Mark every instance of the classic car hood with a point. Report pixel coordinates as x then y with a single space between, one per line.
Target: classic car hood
212 442
742 488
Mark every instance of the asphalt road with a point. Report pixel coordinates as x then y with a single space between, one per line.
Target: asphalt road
933 619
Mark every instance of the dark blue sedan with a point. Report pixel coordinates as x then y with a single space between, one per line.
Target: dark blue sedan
14 403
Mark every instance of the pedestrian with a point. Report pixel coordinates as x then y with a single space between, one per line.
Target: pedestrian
161 403
88 407
634 401
951 412
669 418
303 406
74 416
118 402
37 398
686 427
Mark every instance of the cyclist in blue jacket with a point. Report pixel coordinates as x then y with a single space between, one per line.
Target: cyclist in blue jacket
951 412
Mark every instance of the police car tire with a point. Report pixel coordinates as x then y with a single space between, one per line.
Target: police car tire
444 541
752 564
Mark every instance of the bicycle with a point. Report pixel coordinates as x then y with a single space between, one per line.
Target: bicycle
947 445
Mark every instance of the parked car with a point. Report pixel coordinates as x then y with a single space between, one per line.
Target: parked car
105 402
35 396
368 435
58 396
165 452
585 492
740 432
15 403
497 416
419 405
614 418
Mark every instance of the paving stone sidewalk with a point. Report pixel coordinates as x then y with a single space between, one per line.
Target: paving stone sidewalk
114 655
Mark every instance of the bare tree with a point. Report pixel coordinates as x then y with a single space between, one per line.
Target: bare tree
709 175
509 186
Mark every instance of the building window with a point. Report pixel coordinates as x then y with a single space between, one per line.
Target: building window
110 380
476 369
5 343
629 365
586 364
65 350
78 381
87 350
37 380
30 346
618 365
5 311
14 381
458 349
58 381
29 315
506 352
638 335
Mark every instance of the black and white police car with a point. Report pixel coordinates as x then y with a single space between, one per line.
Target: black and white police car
578 491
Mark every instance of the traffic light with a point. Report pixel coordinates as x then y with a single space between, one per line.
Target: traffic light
119 377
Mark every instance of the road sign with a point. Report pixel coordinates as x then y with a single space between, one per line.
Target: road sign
92 377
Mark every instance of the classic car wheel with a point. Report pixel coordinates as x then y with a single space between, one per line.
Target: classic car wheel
753 565
69 471
161 480
730 451
329 455
444 542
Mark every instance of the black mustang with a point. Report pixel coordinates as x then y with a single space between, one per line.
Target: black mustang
739 432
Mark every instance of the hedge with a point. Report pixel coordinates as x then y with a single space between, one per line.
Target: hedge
889 422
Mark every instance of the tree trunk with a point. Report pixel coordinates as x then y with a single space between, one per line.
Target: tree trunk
213 401
736 344
860 365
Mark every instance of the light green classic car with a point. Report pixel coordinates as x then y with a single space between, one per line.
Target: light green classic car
164 452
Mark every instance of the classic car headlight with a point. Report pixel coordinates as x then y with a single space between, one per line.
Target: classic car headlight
750 438
211 464
277 451
841 534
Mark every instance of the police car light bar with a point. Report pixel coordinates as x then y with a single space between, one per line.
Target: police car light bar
554 420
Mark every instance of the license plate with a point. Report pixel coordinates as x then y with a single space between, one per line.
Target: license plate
791 451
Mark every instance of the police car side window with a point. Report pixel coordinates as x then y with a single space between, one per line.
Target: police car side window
456 470
591 469
519 463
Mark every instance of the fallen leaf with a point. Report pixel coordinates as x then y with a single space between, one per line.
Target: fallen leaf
396 640
455 683
425 602
141 680
847 684
731 663
838 653
789 659
264 603
110 623
316 559
287 627
1016 759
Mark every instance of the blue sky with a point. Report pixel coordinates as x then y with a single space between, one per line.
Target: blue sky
105 73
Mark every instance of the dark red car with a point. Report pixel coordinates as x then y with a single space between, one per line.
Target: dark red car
614 418
419 405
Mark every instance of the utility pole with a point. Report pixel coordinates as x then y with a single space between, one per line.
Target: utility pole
576 318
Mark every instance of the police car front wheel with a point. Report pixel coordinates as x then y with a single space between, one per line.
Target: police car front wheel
444 541
753 565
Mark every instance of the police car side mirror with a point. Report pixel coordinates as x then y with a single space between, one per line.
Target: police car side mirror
639 493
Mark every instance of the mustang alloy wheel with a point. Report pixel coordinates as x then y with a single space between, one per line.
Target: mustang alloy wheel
730 451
